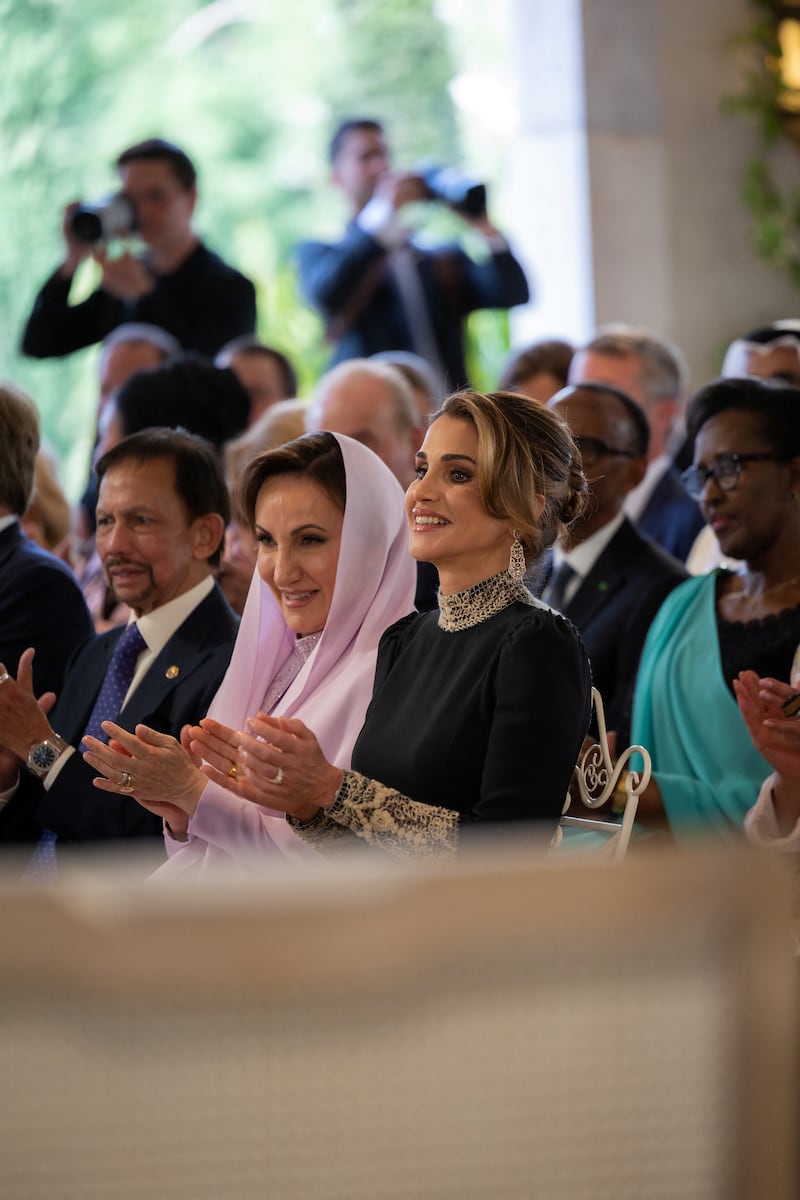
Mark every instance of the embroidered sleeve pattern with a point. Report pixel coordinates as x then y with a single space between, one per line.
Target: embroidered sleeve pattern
384 818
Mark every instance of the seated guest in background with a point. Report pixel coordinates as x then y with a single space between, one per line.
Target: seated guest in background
128 349
178 284
48 518
264 372
479 710
40 602
283 422
538 371
419 376
605 576
372 403
161 515
653 372
746 475
774 821
333 573
188 393
771 352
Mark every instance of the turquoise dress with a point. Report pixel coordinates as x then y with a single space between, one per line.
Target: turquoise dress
684 713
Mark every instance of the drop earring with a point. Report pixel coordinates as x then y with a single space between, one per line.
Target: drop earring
516 561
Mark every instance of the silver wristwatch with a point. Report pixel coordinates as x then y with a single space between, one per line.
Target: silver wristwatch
42 755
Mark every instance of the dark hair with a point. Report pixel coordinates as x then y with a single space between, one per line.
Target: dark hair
552 356
345 128
318 456
187 393
157 150
248 346
637 419
199 480
776 405
524 450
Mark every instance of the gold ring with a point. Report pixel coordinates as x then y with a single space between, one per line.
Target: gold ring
278 776
125 782
234 772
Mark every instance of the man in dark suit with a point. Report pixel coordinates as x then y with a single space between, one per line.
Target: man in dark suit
177 284
161 516
40 601
376 288
619 577
652 371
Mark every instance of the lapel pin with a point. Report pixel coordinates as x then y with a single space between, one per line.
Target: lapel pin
601 587
172 672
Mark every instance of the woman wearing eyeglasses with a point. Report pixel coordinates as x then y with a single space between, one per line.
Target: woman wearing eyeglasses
746 476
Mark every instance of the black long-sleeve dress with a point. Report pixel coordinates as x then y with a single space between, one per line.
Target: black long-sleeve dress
478 714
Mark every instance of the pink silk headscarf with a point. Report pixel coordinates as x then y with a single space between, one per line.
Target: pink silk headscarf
375 582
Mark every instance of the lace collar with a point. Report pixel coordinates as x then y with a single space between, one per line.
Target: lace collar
464 609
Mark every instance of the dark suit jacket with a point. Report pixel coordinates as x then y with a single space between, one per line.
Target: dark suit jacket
671 517
613 610
454 285
72 807
42 606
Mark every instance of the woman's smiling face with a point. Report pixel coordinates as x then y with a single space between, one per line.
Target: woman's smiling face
448 523
298 530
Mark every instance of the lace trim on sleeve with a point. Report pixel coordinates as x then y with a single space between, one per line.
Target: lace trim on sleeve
384 818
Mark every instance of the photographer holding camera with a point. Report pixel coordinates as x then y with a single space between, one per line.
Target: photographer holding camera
376 288
177 284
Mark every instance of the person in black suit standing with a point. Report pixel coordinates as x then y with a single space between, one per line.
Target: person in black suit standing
161 516
377 288
611 579
653 372
40 601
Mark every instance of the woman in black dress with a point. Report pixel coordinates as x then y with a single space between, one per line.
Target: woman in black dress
479 710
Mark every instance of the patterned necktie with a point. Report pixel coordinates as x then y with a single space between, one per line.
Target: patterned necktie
118 678
557 588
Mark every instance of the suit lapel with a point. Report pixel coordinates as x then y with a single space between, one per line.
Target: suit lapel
604 580
187 649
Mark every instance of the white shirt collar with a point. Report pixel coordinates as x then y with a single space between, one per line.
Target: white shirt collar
584 556
158 626
7 521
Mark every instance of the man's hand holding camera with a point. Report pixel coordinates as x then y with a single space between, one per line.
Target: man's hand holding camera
124 276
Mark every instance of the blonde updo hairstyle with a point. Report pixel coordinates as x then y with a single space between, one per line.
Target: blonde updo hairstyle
525 452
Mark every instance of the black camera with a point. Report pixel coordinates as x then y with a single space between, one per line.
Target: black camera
461 192
113 216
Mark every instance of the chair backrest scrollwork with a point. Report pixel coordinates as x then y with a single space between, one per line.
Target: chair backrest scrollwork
598 778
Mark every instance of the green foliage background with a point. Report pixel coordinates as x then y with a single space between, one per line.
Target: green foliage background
251 88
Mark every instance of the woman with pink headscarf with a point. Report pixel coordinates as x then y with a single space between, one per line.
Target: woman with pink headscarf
333 573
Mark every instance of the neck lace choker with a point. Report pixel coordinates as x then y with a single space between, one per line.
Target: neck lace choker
475 604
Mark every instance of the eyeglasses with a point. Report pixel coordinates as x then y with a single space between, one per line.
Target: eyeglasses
725 471
592 450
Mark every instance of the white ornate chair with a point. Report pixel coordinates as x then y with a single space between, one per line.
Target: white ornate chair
598 778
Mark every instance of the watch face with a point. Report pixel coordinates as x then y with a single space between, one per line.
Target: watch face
43 756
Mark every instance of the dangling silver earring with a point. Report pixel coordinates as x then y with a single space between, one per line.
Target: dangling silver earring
516 562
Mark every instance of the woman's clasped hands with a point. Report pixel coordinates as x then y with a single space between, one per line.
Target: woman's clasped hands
276 762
